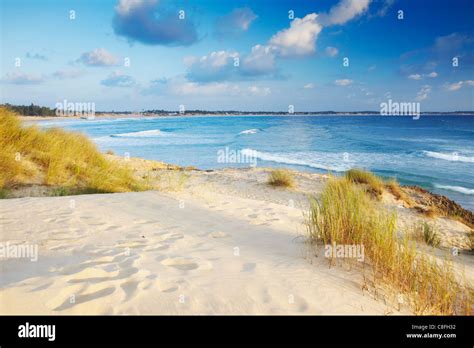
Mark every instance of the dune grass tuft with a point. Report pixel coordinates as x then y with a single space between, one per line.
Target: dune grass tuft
427 234
281 178
374 184
347 214
394 187
29 155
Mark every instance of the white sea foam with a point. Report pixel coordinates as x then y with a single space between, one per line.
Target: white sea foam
294 159
459 189
141 134
249 131
449 156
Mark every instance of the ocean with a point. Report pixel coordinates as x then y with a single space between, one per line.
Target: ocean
434 152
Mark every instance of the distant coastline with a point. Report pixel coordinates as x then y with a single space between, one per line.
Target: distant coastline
198 113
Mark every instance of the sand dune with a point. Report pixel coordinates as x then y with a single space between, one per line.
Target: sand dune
224 243
157 253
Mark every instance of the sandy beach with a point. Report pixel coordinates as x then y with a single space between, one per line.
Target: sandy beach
206 242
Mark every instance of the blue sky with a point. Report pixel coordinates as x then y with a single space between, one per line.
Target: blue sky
238 55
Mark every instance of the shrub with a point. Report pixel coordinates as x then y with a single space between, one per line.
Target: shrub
282 178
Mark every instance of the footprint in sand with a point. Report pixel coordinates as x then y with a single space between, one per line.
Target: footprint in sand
7 221
248 267
143 222
218 235
174 236
300 304
129 288
140 243
158 248
166 286
65 247
42 287
53 219
180 263
82 298
112 227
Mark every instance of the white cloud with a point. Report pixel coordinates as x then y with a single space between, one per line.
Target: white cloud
19 78
217 65
179 86
118 79
297 40
146 22
300 38
228 65
386 4
124 7
99 57
458 85
423 93
187 88
421 76
259 91
415 77
331 51
344 11
450 45
343 82
218 59
261 60
190 60
68 74
239 20
309 86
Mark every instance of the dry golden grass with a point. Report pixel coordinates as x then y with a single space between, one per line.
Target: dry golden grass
346 214
428 234
471 240
29 155
394 187
373 183
281 178
173 180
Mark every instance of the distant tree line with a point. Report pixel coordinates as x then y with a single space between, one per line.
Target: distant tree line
31 110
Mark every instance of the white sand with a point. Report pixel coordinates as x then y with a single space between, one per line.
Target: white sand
146 253
226 243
